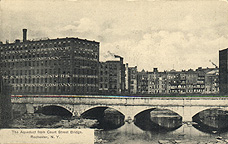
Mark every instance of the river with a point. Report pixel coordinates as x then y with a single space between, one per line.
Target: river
129 133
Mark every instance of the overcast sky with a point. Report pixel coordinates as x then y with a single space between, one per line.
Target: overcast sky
162 34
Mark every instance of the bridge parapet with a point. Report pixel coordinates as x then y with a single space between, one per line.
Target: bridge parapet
187 107
171 101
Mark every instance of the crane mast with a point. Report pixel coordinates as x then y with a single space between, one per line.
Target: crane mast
213 64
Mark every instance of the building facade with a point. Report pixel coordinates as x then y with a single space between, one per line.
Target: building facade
212 82
51 66
157 82
112 77
223 71
199 81
5 104
142 82
132 80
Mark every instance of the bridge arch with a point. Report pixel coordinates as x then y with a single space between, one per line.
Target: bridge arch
185 107
132 111
200 110
55 109
154 108
187 112
102 107
107 117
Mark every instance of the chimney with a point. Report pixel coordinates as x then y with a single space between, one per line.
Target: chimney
17 41
24 35
155 69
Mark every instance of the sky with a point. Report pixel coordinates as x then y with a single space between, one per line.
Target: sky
177 34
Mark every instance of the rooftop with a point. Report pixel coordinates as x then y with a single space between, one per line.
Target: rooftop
48 40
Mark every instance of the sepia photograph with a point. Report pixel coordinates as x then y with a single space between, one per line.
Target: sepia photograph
114 71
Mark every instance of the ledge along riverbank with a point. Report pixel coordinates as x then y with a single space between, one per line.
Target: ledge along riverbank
39 120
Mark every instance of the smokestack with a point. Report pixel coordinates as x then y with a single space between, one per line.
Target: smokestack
155 69
24 35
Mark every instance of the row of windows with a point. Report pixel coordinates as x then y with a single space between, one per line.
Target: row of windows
55 88
46 44
105 72
63 53
157 92
49 63
103 85
50 71
105 79
56 53
52 80
38 71
110 73
156 86
35 45
111 86
110 80
86 54
85 71
110 66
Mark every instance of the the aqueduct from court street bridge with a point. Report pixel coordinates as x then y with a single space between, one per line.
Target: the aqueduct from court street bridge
186 107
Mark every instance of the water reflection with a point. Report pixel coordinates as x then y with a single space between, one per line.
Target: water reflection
108 118
158 120
150 126
211 121
54 110
130 133
209 130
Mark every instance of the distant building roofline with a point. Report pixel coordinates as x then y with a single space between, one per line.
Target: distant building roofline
43 40
224 49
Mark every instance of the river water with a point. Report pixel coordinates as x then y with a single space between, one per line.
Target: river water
129 133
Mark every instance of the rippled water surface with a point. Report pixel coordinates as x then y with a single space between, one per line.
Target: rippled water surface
129 133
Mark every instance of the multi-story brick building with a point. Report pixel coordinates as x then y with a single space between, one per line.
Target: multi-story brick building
207 81
51 66
132 80
112 77
212 82
199 87
223 71
191 80
142 82
5 104
175 82
201 81
157 83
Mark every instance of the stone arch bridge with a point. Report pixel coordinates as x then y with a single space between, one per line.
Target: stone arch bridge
186 107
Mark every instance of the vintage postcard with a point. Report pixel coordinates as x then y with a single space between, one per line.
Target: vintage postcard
113 71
